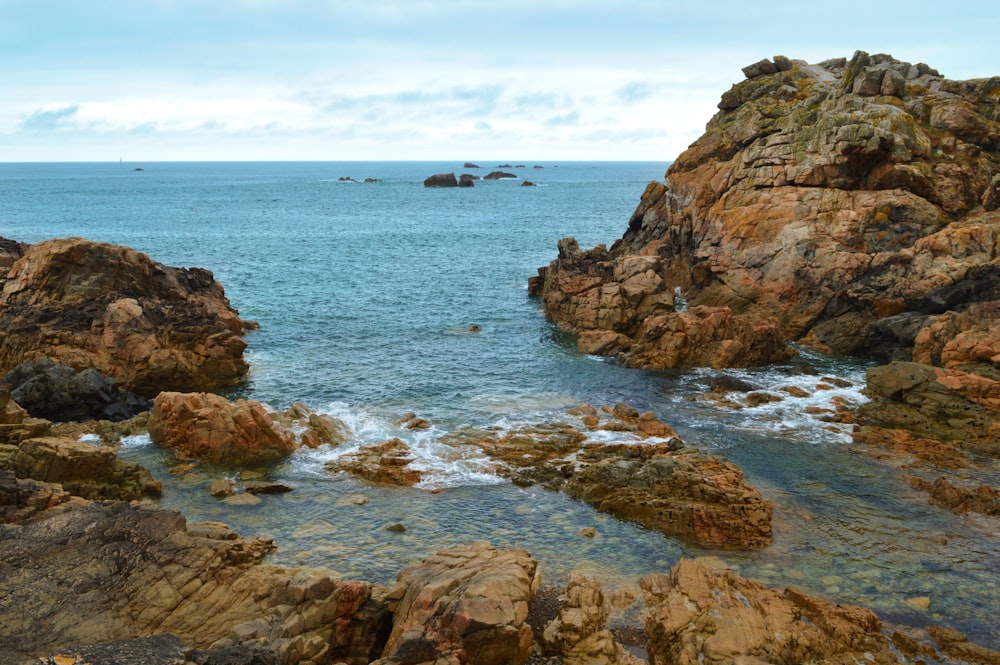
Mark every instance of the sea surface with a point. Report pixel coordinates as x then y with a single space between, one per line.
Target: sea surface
364 293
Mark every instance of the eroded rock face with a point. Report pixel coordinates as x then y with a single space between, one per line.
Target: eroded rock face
386 463
93 305
820 200
465 605
696 617
208 427
137 571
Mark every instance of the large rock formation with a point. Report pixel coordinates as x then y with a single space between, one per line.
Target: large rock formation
386 463
846 205
92 305
208 427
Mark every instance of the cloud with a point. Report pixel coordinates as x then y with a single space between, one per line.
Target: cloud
636 91
572 118
43 120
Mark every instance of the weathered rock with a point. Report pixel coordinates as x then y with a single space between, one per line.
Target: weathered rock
315 429
60 393
23 498
107 572
697 617
664 486
960 500
148 326
386 463
957 645
441 180
579 633
820 200
463 605
208 427
91 472
498 175
467 180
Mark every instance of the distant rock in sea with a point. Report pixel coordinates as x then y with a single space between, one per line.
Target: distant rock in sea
441 180
498 175
470 165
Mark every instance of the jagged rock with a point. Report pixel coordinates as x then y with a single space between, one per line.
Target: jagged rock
60 393
463 605
959 500
821 199
107 572
315 429
148 326
210 428
91 472
579 633
697 617
441 180
386 463
23 498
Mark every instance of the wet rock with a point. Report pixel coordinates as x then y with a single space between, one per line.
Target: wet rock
137 571
222 487
957 645
466 604
242 499
265 487
498 175
315 429
148 326
386 463
960 500
91 472
441 180
60 393
210 428
820 200
699 617
467 180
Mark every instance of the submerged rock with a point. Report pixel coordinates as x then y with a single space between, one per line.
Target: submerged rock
820 200
148 326
208 427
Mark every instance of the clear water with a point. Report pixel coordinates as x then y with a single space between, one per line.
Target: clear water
363 293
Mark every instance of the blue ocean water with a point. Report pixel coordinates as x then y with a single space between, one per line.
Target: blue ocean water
364 292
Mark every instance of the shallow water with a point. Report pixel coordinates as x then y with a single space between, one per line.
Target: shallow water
364 291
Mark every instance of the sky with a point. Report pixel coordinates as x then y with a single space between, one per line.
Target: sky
479 80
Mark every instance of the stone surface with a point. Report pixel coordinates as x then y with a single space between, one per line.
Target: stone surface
107 572
208 427
821 200
386 463
579 633
148 326
441 180
960 500
697 617
314 429
465 605
60 393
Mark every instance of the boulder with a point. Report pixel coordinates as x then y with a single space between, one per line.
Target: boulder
60 393
148 326
820 200
314 429
960 500
441 180
136 571
386 463
208 427
698 617
467 180
498 175
463 605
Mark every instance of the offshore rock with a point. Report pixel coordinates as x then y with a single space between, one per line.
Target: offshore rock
315 429
60 393
148 326
441 180
386 463
210 428
697 617
91 472
465 605
137 571
663 486
821 200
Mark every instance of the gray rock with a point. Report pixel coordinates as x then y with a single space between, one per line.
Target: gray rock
761 68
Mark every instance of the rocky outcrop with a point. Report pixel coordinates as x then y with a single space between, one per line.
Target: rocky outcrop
467 180
697 617
441 180
23 498
386 463
663 486
60 393
148 326
823 200
208 427
465 605
84 470
107 572
314 429
498 175
960 500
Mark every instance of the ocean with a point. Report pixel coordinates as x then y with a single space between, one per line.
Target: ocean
364 293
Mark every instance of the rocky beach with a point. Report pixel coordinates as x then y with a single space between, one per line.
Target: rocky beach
845 209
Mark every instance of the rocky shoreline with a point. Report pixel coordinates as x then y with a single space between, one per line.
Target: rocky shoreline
848 206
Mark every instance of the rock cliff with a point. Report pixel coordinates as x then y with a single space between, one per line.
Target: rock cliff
93 305
846 205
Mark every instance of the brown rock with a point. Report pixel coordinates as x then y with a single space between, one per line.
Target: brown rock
699 617
386 463
317 429
441 180
208 427
148 326
463 605
960 500
579 633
